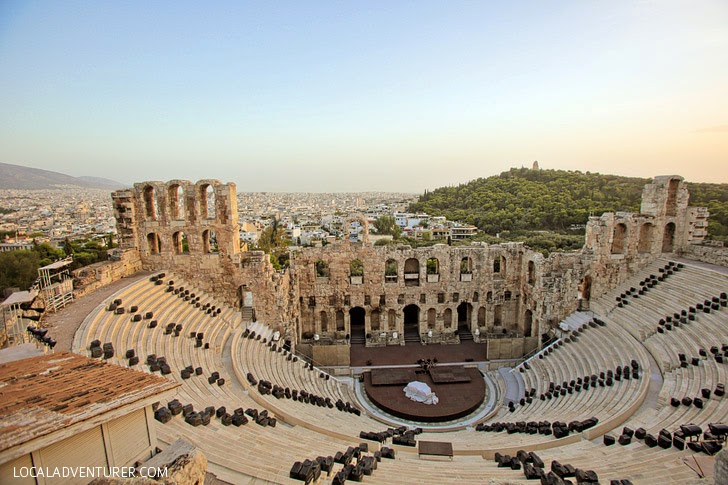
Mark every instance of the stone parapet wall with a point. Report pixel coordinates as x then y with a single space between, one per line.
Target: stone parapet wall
717 255
91 278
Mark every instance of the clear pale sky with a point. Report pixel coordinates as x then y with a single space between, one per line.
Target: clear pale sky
363 95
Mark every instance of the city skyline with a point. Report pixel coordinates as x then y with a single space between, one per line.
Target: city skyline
340 97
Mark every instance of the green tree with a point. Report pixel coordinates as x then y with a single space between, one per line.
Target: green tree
18 269
387 225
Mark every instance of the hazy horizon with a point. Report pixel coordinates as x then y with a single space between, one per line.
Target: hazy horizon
343 97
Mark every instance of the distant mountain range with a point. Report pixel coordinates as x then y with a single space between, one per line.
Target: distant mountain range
19 177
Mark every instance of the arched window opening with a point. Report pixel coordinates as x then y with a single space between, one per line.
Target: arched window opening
528 323
481 317
431 317
497 315
619 239
671 203
209 242
391 320
154 244
466 269
375 318
150 203
645 243
433 270
412 272
447 318
668 238
356 271
531 273
340 327
390 271
175 196
322 269
180 243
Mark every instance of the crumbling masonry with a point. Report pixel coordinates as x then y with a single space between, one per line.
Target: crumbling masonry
354 291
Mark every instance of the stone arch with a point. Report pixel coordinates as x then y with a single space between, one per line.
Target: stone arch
180 243
375 320
356 268
324 319
500 266
391 319
357 323
209 242
447 318
150 203
481 316
619 238
646 236
476 296
433 266
362 236
531 273
668 238
176 201
340 325
390 271
206 199
489 297
412 272
321 269
528 324
412 322
431 318
465 316
466 265
498 315
671 203
154 243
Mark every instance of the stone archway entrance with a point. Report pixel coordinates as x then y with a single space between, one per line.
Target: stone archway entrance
357 325
668 238
412 323
465 318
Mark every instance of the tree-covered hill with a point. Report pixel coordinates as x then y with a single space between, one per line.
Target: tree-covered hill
555 200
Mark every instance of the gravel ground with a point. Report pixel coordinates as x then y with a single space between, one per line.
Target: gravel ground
62 325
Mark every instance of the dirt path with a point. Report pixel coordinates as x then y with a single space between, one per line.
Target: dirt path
62 325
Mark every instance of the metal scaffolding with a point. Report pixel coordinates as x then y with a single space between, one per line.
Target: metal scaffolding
56 284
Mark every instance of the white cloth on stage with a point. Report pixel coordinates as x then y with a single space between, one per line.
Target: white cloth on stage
420 392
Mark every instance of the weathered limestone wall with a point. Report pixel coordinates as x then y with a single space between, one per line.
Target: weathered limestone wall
91 278
460 289
381 295
708 254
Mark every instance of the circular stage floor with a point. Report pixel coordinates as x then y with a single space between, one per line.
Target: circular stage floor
457 399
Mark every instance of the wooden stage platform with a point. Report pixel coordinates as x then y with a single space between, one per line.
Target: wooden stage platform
461 390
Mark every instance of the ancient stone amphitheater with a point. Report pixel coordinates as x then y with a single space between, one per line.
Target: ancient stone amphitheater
608 362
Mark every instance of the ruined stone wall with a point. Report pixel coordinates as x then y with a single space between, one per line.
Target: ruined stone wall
192 230
384 295
479 287
619 244
91 278
717 255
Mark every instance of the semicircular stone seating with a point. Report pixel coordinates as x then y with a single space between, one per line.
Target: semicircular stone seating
252 453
